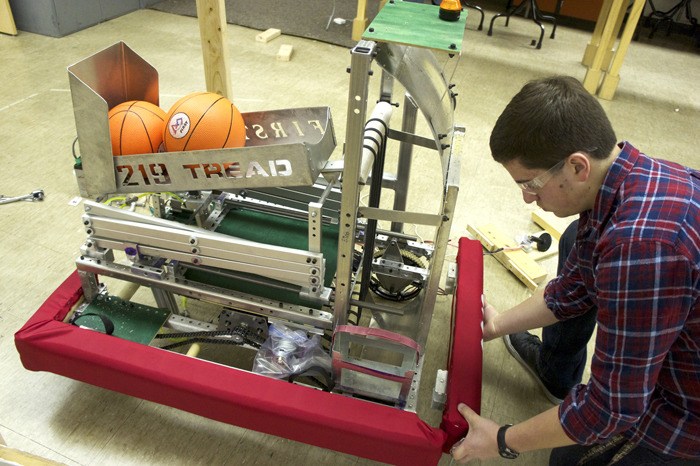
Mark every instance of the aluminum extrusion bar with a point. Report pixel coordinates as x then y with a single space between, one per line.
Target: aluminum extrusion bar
442 235
396 216
403 170
212 244
276 273
233 299
190 236
360 67
298 197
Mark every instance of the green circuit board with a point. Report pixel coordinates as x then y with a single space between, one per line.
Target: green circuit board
132 321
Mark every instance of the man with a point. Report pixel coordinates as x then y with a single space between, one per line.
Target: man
636 259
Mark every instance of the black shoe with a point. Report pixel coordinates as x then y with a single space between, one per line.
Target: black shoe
525 347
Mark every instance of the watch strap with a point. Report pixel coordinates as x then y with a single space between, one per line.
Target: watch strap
503 449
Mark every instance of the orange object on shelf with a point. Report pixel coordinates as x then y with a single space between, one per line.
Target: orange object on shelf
450 10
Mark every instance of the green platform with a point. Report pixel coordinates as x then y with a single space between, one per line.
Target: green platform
416 24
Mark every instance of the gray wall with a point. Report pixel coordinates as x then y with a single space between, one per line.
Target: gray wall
58 18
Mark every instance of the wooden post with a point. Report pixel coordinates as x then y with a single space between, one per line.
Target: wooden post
7 21
212 29
594 43
612 77
359 24
595 70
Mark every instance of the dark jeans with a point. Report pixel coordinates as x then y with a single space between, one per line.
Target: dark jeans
638 456
563 351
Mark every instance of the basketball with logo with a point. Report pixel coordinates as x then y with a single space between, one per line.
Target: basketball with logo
136 127
203 120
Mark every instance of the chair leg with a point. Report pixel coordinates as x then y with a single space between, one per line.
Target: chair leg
689 16
667 16
480 10
537 17
514 10
539 42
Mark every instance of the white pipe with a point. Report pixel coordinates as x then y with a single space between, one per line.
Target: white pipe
381 114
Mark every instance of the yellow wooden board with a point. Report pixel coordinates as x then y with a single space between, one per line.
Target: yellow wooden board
517 261
212 30
7 21
12 456
552 224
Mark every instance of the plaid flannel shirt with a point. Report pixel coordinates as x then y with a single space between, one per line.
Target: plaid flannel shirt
637 259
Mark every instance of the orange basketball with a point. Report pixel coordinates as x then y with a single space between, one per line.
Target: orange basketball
136 127
203 120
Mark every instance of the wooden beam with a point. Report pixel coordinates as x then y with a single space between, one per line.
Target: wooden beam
552 224
359 24
612 77
268 35
517 261
13 456
7 21
212 29
285 52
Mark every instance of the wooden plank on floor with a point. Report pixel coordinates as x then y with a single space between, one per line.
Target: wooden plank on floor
13 456
7 21
517 261
285 52
268 35
552 224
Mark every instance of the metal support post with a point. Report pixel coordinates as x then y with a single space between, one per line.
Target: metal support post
403 171
360 67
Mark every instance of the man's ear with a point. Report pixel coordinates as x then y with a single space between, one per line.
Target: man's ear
581 165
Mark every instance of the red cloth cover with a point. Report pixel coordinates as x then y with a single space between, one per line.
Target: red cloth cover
464 372
252 401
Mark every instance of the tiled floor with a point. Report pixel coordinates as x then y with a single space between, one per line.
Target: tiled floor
657 107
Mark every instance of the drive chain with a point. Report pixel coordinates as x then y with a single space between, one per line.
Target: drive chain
246 337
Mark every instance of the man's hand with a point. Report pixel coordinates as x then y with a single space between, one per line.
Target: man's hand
490 314
480 442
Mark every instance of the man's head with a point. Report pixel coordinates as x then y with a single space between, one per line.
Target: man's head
548 120
555 140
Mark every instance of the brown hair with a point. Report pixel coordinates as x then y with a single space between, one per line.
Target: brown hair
548 120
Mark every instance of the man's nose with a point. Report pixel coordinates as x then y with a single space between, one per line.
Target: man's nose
529 197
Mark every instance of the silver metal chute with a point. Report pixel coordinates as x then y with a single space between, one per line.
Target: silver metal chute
287 147
418 70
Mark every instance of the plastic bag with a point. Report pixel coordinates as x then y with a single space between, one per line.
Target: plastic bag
289 352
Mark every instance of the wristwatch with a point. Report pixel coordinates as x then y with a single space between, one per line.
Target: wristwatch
503 449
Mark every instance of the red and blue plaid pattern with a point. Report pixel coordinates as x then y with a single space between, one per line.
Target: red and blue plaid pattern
637 259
